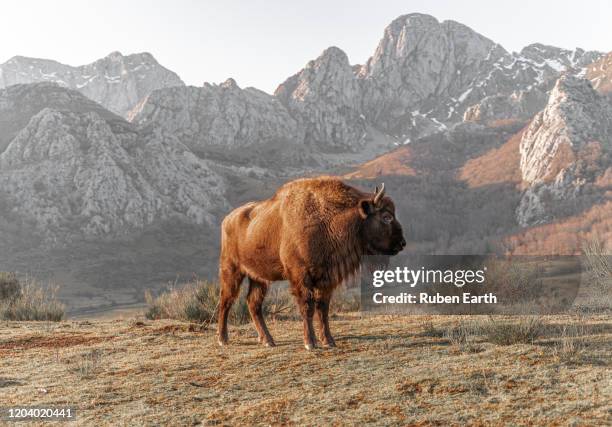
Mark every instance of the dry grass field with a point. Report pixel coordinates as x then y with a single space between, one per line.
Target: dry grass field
387 370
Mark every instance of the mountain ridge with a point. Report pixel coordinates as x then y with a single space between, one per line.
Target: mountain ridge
77 171
115 81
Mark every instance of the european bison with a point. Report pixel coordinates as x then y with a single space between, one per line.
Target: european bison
312 232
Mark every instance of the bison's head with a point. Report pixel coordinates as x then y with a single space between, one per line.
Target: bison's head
381 232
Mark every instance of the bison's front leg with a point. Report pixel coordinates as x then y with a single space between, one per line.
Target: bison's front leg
306 304
322 310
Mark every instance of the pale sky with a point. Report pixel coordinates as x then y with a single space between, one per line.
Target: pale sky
260 43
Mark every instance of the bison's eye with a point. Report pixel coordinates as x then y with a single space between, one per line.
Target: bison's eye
387 218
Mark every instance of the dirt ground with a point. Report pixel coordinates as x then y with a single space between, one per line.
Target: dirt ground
386 370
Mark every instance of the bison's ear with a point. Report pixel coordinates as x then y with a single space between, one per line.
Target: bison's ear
366 208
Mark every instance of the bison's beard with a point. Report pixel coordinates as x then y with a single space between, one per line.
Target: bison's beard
371 251
389 253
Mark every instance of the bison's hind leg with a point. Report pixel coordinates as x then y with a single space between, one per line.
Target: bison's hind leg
231 278
255 299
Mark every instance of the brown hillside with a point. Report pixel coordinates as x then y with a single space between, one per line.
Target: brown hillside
436 154
397 162
566 236
499 165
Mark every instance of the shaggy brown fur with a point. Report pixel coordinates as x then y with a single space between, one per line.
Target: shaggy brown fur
312 232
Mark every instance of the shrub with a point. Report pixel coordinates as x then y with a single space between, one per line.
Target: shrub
525 331
457 335
87 365
28 301
598 264
462 337
430 330
196 302
344 301
515 281
10 288
279 304
570 346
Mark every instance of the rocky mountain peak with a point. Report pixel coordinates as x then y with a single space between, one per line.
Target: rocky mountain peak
331 68
557 58
230 83
219 118
332 53
115 56
426 68
424 76
325 99
127 62
116 81
409 22
417 36
19 103
44 137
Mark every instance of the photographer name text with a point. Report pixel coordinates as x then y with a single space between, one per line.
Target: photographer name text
425 298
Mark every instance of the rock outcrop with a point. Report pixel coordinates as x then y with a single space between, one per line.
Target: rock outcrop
81 172
218 116
565 147
325 99
574 116
500 109
533 71
600 75
19 103
551 60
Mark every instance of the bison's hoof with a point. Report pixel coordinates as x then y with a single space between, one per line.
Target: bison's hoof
309 347
329 344
222 342
266 342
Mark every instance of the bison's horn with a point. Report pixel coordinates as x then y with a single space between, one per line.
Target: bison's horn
379 194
